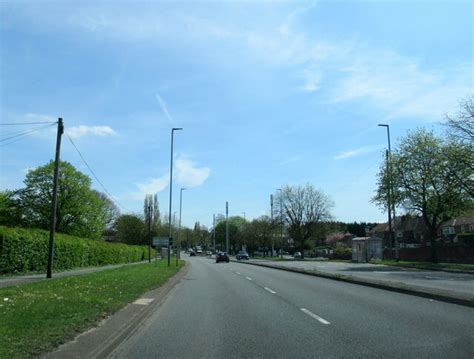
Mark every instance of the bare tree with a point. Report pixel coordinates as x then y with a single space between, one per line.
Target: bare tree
304 210
462 125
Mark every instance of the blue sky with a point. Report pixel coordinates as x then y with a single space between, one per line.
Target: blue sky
268 93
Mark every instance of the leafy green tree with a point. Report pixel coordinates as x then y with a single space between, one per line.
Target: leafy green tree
258 234
425 180
130 229
462 124
81 211
305 210
10 213
151 209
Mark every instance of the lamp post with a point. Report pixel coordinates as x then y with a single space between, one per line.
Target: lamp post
179 226
391 205
171 191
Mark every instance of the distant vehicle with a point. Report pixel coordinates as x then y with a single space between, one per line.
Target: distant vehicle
222 257
199 251
242 255
192 253
209 253
297 255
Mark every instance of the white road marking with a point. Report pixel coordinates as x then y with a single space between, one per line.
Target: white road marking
248 278
314 316
238 273
269 290
143 301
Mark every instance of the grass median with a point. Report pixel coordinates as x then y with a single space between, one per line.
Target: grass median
427 265
36 318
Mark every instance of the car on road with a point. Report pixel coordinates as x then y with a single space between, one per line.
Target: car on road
297 255
222 257
242 255
192 253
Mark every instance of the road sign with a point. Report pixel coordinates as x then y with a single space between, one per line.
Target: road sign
160 241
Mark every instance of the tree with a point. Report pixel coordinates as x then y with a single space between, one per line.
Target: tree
130 229
258 234
151 209
81 211
10 213
462 125
424 180
304 210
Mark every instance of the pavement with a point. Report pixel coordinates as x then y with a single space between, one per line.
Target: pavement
451 287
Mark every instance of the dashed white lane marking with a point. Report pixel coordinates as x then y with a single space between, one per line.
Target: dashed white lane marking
143 301
269 290
314 316
238 273
248 278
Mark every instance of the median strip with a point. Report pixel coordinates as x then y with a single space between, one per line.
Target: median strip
315 316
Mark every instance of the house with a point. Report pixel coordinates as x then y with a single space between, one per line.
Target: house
450 229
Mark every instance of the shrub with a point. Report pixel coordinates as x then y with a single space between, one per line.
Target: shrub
26 250
341 252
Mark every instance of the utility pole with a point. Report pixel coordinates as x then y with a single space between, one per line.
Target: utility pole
179 226
271 220
171 193
214 232
389 205
149 232
281 222
227 227
54 199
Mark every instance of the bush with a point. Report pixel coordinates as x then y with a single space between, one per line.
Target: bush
341 252
26 250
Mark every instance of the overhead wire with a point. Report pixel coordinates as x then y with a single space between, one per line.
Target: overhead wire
18 136
95 176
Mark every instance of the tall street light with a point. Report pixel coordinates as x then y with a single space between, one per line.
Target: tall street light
214 232
171 192
391 205
179 226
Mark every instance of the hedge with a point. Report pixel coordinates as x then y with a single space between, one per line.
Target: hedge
26 250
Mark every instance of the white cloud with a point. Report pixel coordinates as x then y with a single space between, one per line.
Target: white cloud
81 131
357 152
164 107
188 174
153 185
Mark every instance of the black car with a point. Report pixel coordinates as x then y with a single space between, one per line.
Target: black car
242 255
192 253
222 257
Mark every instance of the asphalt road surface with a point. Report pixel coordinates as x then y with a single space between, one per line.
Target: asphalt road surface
240 311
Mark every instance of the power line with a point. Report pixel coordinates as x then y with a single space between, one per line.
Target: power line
93 174
22 134
27 123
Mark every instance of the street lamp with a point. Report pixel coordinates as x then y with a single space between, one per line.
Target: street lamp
391 206
271 221
179 226
171 191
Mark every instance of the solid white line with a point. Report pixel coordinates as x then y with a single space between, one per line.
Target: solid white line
269 290
238 273
248 278
314 316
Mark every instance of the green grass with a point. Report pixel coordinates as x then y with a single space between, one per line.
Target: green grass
427 265
37 317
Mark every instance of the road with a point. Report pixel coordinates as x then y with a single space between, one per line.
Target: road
240 311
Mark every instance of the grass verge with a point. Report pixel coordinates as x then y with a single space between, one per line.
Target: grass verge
37 317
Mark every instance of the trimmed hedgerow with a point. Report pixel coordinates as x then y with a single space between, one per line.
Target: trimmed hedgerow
26 250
